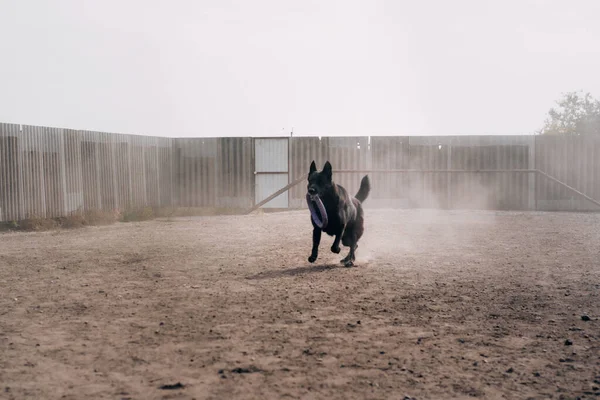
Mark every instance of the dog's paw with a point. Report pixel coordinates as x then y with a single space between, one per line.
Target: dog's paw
312 259
348 264
335 250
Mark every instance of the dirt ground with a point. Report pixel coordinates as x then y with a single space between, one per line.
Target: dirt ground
441 305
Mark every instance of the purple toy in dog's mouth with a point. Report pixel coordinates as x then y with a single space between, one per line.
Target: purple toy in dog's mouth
320 217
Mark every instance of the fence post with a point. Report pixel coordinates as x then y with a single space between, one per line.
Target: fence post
113 149
449 177
217 169
369 154
19 148
290 169
157 141
144 182
40 140
531 178
172 153
79 137
63 170
129 173
96 142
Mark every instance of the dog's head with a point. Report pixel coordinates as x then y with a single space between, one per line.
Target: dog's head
319 182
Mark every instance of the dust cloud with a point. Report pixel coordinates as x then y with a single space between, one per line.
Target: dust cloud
401 228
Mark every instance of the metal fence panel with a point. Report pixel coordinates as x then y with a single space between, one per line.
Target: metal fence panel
52 172
303 151
573 160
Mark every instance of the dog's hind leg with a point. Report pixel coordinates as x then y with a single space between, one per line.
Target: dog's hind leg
348 261
315 247
335 247
351 256
345 259
351 242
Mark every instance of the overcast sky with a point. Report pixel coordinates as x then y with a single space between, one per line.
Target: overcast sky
261 67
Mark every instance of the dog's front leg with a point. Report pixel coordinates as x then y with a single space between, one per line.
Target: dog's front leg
315 247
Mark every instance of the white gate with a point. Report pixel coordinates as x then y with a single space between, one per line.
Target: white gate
271 170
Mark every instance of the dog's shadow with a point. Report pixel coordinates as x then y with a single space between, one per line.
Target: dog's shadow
281 273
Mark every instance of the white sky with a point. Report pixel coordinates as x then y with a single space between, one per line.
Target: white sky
261 67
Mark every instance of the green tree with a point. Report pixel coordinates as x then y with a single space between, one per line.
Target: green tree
576 113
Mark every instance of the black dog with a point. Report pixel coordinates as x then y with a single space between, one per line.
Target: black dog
344 212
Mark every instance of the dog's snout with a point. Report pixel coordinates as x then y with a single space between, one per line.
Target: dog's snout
312 190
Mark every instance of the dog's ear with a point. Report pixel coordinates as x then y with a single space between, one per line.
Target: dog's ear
313 168
327 170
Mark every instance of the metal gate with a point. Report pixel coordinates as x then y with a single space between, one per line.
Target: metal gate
271 170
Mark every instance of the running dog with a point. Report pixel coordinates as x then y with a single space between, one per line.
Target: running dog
337 213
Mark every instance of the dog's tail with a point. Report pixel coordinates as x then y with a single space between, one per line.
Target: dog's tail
365 188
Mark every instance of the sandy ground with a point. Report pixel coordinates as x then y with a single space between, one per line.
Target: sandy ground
441 305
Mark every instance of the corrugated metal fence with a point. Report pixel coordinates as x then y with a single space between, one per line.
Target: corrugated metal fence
414 171
53 172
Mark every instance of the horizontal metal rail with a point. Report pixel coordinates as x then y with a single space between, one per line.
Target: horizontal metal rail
433 171
429 171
